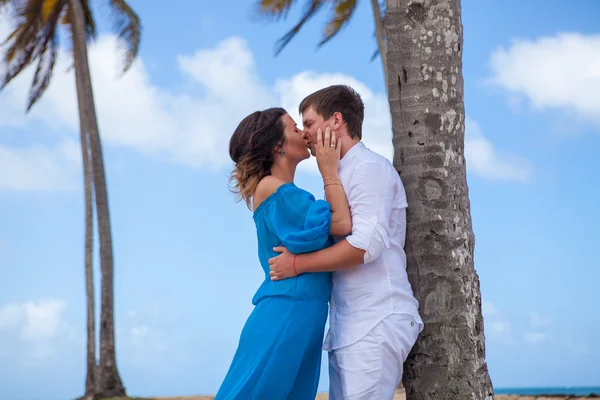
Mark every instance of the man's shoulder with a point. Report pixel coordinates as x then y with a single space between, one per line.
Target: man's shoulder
369 158
372 163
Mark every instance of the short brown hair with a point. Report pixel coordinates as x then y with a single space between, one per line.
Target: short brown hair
338 98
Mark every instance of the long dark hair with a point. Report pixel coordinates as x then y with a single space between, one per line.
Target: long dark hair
252 148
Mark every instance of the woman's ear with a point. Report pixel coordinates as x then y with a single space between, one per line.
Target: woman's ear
278 150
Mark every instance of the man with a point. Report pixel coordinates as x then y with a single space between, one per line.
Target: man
374 319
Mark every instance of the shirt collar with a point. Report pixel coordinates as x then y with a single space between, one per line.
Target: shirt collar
350 154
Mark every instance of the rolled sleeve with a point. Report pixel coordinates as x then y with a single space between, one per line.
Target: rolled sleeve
371 196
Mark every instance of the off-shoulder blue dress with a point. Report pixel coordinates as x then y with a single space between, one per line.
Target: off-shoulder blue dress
279 352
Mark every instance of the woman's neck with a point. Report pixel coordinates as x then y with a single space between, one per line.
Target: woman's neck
284 170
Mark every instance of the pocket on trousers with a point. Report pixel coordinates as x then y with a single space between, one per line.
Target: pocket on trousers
360 367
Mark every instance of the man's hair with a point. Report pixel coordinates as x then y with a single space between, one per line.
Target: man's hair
338 98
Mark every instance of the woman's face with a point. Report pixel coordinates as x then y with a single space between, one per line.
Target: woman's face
296 141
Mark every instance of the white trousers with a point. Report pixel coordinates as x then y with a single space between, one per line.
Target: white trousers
371 369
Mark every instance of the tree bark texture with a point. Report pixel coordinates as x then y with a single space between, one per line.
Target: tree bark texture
110 384
425 88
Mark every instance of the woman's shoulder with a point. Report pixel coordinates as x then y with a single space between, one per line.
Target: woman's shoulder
265 188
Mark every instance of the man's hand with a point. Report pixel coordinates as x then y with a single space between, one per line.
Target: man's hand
282 266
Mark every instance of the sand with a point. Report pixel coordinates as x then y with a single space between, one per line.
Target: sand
400 396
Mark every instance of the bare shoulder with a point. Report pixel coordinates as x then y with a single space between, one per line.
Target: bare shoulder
266 187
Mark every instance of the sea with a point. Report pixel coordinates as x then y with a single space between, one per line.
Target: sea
538 391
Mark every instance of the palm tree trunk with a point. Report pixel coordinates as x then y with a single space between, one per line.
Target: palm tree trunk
90 380
425 86
91 370
380 34
110 384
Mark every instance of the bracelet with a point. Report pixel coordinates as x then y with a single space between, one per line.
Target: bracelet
294 264
329 177
328 184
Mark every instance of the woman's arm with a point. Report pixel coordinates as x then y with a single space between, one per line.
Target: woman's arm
328 160
341 220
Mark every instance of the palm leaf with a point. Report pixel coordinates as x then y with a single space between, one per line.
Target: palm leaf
342 12
48 8
275 8
312 8
128 27
4 3
46 52
90 24
23 41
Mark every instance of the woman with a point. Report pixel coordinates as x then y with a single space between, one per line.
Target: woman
279 352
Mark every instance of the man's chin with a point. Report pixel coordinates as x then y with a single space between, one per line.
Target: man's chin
313 151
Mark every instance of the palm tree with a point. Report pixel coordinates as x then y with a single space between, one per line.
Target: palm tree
426 94
422 52
35 40
342 13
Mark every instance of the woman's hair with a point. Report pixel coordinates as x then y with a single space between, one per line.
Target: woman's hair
252 148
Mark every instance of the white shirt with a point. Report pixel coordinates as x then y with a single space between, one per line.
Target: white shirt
364 295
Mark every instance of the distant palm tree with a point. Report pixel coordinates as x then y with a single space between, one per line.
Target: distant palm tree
421 48
35 41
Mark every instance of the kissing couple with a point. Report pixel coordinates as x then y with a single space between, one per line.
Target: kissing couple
342 256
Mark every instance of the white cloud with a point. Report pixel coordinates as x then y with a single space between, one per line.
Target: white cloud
485 161
497 327
535 338
38 167
538 321
142 340
10 316
576 347
138 334
557 72
190 126
488 309
34 320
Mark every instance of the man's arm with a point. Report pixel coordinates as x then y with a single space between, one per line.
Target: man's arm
342 255
339 256
371 202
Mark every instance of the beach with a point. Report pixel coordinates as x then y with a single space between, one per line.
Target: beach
400 396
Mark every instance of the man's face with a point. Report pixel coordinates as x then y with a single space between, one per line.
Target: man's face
311 122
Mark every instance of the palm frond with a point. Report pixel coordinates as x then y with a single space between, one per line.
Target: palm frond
48 7
45 54
312 8
90 24
4 3
34 39
275 8
128 27
375 54
342 13
23 41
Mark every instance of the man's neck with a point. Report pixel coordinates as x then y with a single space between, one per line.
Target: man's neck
347 144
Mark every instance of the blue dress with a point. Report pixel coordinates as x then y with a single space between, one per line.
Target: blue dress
279 352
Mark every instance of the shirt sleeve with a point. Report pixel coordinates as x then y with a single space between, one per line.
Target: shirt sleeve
371 197
301 222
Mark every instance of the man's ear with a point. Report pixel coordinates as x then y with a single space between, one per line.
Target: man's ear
338 120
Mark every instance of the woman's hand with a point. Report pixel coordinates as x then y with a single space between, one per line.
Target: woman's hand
329 149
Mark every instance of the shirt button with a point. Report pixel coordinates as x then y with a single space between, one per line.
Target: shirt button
412 323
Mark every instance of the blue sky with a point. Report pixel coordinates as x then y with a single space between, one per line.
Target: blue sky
185 252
